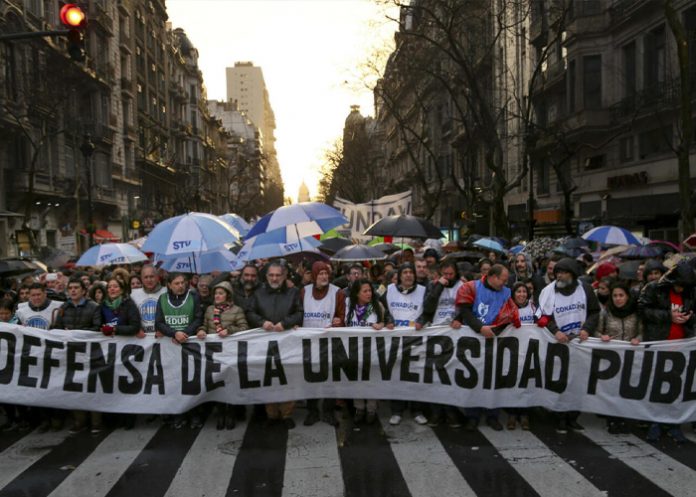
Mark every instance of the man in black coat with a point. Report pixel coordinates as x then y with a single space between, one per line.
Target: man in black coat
78 313
275 307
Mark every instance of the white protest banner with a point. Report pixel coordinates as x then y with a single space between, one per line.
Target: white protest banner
520 368
361 216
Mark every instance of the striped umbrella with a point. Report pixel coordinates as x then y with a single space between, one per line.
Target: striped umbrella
611 235
107 254
190 234
237 222
299 220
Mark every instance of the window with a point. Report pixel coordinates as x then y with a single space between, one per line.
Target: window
690 27
594 162
654 58
626 149
592 81
543 177
571 86
655 141
629 63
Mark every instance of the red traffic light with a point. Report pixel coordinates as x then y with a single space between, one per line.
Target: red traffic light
72 15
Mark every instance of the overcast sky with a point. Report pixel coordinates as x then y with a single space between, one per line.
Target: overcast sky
310 52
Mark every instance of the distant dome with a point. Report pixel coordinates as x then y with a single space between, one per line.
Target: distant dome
354 118
185 45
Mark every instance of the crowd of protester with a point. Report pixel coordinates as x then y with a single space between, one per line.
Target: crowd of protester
405 291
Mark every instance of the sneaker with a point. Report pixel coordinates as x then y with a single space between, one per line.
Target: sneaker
179 423
395 419
524 423
371 418
96 430
575 425
494 424
289 423
512 423
196 423
654 433
677 435
453 421
562 426
420 419
471 424
311 418
435 421
75 429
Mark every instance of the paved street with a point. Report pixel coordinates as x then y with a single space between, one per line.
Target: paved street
320 461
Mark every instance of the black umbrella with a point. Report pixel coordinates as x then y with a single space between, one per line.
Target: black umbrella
575 242
11 267
333 245
387 248
357 253
404 226
463 256
643 252
54 257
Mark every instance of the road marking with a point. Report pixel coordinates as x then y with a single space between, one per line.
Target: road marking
207 467
545 471
312 464
665 472
419 452
98 473
22 454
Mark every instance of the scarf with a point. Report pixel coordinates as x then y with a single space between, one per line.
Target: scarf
113 304
218 310
622 312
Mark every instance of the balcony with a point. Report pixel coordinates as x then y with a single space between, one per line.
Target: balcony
100 132
625 10
127 86
100 16
124 42
663 95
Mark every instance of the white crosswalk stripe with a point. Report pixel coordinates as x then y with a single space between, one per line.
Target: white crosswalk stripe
545 471
208 465
313 466
22 454
650 462
109 460
419 452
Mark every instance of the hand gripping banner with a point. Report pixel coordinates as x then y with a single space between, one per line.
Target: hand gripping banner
520 368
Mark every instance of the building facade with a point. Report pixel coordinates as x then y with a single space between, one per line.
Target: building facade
112 144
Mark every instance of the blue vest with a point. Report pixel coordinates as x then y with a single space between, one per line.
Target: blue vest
488 302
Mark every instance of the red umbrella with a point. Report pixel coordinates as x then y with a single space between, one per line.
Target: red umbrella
665 246
690 241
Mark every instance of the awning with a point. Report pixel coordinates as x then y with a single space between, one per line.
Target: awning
102 236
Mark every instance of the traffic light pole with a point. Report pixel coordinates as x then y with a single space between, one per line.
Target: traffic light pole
34 34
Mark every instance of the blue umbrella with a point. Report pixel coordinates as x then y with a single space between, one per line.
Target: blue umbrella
268 245
611 235
111 253
237 222
205 262
516 249
357 253
490 244
190 234
299 220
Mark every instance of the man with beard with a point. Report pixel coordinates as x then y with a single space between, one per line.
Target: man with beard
276 308
568 308
521 269
439 310
544 276
422 273
324 306
146 297
247 285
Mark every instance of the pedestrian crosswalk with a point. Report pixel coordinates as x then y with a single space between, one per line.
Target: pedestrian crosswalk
408 460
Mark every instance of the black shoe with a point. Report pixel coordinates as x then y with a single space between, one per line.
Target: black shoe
179 424
677 435
575 425
220 425
371 418
196 423
624 428
494 424
359 416
453 421
231 422
311 418
562 426
329 417
271 422
289 423
471 424
613 427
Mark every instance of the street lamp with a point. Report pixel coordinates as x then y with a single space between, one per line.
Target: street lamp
87 149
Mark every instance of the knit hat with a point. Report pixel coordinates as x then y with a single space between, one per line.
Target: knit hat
653 265
605 269
403 267
431 252
319 266
569 265
225 285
